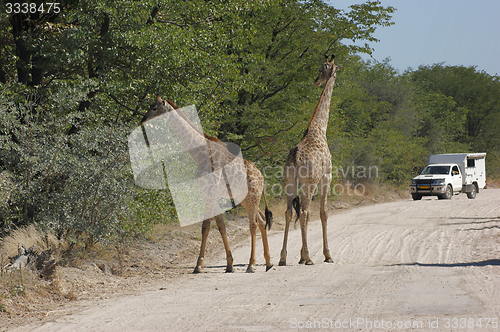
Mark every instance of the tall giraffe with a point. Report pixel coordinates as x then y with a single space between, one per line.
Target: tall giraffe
218 156
309 163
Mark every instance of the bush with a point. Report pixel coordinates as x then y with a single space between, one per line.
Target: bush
77 182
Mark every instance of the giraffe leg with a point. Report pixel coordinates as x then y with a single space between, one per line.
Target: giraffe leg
205 228
265 244
288 218
253 235
325 186
222 229
304 219
290 183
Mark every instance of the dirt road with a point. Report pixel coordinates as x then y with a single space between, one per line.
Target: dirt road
423 265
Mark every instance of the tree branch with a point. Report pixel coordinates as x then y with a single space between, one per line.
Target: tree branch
269 95
279 131
123 105
174 23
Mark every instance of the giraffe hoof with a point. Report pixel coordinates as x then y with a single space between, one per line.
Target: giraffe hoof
197 270
250 269
309 263
329 260
229 270
269 267
282 263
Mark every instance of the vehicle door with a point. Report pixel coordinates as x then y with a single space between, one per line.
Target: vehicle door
456 178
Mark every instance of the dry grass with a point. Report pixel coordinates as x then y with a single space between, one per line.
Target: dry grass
493 183
20 288
27 237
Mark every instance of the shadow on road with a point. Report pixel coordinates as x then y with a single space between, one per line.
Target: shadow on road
494 262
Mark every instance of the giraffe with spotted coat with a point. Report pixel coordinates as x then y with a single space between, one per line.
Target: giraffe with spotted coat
217 155
309 164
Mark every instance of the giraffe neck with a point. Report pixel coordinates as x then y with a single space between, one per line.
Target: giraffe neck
208 148
319 119
194 143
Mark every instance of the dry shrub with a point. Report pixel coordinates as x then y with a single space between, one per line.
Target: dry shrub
28 237
20 287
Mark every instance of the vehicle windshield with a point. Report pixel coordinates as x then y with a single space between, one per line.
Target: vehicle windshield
436 170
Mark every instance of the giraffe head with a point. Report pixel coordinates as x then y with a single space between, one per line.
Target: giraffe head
327 70
159 107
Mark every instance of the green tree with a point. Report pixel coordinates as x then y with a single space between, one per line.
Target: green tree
270 113
74 82
473 106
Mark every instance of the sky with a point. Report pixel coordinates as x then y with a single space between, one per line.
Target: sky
426 32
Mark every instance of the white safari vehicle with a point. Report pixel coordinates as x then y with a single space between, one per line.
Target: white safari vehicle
449 174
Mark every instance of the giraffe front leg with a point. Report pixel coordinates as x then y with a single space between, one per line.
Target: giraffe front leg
222 230
325 186
253 235
326 250
205 229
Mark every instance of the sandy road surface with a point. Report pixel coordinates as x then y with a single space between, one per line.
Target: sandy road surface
420 265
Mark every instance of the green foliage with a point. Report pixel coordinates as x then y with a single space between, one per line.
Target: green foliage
400 156
465 104
72 184
270 113
395 121
147 208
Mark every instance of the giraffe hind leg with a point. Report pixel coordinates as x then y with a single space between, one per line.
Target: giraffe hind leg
263 231
304 220
253 235
288 219
291 184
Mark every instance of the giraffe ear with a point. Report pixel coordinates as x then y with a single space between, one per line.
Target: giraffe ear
337 67
332 59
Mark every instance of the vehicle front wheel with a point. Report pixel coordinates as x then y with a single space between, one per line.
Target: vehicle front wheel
448 193
473 192
416 197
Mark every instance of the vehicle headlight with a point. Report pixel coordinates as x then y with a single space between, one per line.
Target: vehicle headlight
413 181
438 182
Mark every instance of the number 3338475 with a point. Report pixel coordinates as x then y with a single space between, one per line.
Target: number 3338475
26 7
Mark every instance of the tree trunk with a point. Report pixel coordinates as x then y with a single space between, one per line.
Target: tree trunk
19 25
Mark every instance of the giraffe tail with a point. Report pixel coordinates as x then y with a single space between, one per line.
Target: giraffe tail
267 212
296 206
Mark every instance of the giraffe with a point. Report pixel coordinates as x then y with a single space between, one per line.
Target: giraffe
309 163
218 155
